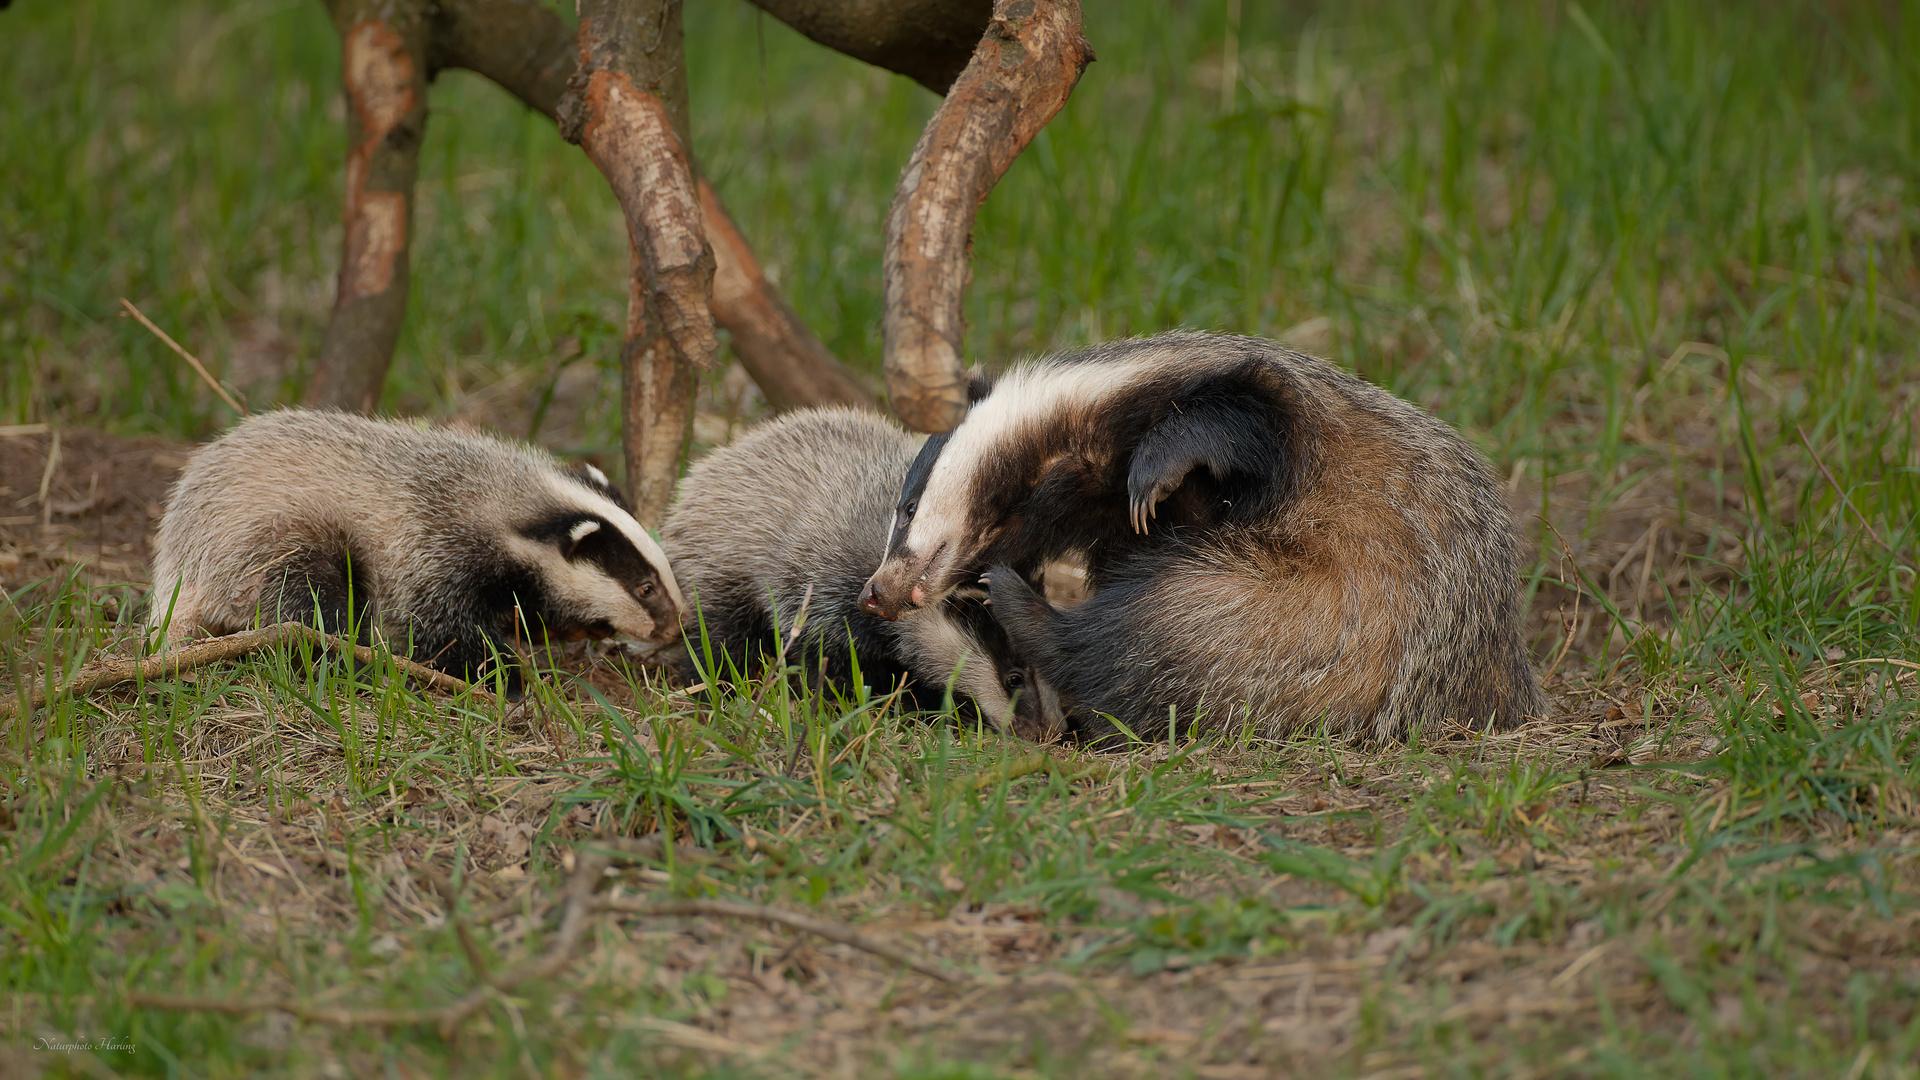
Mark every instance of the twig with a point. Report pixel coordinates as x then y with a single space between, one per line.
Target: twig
199 654
586 875
472 949
1844 500
205 375
627 850
1573 624
812 924
46 479
587 870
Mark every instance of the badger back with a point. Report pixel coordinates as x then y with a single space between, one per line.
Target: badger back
793 513
437 522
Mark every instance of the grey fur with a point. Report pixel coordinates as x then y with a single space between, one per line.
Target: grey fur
441 535
795 513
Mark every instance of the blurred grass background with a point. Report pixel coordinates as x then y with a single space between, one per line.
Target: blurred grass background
1516 213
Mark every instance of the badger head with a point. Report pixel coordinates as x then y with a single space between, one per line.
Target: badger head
933 542
597 572
960 639
922 552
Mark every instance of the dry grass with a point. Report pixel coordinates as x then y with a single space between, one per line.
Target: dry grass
1661 263
1519 900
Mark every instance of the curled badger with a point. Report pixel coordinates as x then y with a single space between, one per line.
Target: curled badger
1270 542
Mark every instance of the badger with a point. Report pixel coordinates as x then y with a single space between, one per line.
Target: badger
1271 543
450 545
794 514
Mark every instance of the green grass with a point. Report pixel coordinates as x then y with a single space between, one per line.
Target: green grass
1661 262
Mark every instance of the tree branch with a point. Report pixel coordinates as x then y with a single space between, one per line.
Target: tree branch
383 62
519 44
627 108
528 50
928 41
791 367
1025 66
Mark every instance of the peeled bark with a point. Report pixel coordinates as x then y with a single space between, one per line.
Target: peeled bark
383 61
928 41
1025 66
791 367
525 48
627 108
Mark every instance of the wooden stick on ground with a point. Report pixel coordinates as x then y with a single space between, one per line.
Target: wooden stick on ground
797 920
198 368
198 654
587 869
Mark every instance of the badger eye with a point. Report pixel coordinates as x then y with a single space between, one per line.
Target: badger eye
906 512
643 590
1013 680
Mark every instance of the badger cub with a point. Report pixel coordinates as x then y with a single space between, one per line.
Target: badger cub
797 510
447 544
1270 542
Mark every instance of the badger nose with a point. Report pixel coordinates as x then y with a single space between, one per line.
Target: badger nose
870 601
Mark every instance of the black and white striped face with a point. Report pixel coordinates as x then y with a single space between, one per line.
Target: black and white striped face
599 574
966 488
1123 440
1006 688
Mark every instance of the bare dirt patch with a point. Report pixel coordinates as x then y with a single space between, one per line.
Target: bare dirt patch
88 503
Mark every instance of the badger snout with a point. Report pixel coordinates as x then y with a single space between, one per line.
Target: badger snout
664 617
876 601
889 599
902 585
871 603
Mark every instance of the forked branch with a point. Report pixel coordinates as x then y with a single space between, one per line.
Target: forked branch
526 48
627 108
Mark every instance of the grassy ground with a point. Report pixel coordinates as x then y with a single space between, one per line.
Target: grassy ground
1661 262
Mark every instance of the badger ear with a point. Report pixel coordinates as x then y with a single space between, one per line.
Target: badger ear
979 385
585 527
590 476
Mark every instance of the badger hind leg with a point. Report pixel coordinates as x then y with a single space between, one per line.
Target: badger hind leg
320 586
